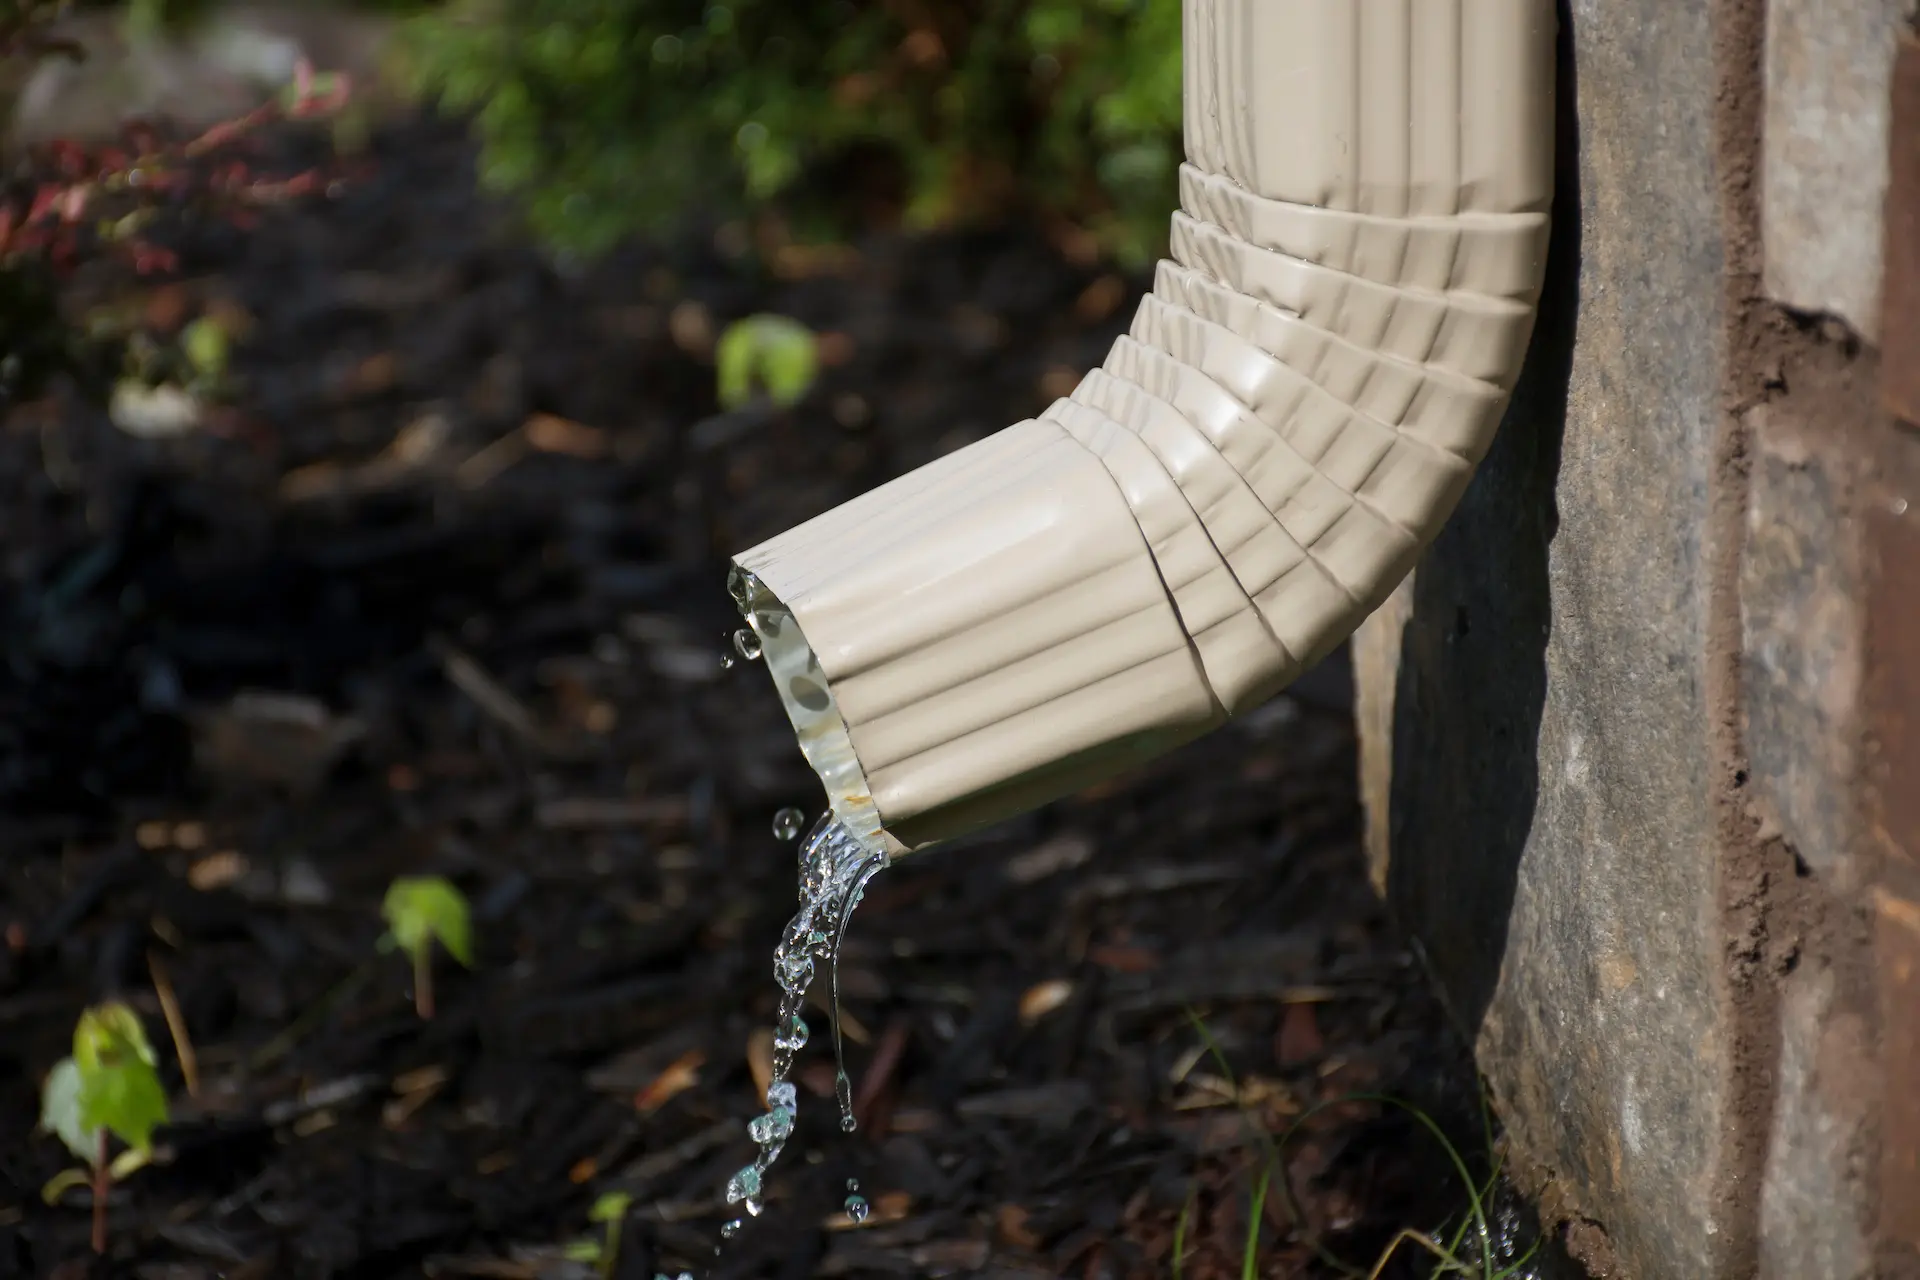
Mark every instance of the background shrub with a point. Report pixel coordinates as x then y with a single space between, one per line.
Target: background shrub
610 117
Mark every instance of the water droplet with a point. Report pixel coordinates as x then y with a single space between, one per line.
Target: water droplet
726 662
793 1036
788 824
730 1230
775 1126
781 1095
796 971
744 1185
853 1184
856 1209
755 1208
843 1092
746 644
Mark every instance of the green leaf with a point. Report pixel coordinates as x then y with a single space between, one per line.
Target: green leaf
322 85
610 1207
126 1100
128 1163
109 1083
60 1111
772 352
637 107
109 1034
1054 25
582 1251
62 1182
205 344
424 909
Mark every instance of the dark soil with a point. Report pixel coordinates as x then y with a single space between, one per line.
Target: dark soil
508 654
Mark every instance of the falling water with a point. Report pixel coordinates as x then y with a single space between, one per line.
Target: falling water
835 865
856 1205
834 871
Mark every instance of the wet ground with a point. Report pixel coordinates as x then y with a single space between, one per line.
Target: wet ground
443 591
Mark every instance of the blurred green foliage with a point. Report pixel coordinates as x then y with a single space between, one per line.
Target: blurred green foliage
610 117
772 353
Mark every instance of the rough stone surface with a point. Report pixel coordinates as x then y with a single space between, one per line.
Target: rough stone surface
1803 599
1829 64
1803 635
1892 510
1900 284
1897 949
1892 507
1813 1215
1551 836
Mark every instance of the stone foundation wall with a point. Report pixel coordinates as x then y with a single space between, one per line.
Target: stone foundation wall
1619 731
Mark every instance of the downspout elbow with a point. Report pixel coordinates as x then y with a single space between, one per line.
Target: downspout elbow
1294 413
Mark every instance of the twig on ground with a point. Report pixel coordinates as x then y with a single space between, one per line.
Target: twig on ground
176 1025
467 675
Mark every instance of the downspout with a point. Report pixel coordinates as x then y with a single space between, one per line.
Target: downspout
1297 408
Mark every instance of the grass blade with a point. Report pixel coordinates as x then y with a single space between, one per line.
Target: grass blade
1180 1231
1250 1256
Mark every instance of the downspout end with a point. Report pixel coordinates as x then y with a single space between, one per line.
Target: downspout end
808 701
976 638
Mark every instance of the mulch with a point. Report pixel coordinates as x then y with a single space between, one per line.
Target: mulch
442 591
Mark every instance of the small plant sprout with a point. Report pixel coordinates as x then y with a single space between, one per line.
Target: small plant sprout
107 1089
610 1210
773 353
205 346
419 911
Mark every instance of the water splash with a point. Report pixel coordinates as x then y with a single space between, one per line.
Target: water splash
835 867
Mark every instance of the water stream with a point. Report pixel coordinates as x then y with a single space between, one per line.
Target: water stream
834 870
835 864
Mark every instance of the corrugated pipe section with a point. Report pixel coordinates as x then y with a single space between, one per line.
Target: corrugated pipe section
1296 410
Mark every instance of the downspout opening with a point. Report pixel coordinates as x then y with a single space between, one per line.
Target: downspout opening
808 701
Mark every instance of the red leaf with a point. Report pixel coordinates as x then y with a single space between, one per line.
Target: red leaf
1299 1039
148 259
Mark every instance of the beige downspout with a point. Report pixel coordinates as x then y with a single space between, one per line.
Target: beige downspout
1298 406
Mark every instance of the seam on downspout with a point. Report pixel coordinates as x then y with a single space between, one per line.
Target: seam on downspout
1083 418
1296 409
1362 414
1213 605
1263 536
